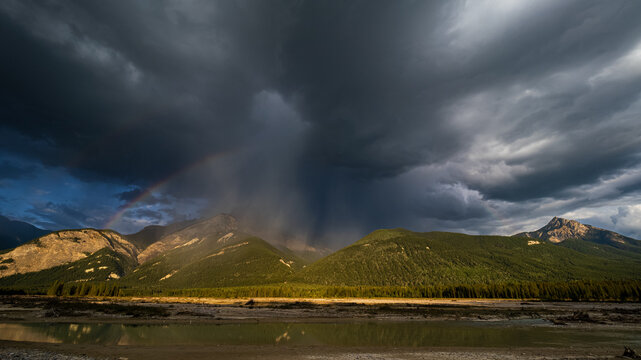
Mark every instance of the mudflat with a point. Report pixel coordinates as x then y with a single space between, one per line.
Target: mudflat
34 327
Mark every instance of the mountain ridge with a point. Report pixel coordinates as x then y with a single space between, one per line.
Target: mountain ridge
210 227
219 252
152 233
62 247
234 259
14 233
402 257
559 230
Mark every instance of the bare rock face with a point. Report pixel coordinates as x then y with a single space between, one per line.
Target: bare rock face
60 248
558 230
217 227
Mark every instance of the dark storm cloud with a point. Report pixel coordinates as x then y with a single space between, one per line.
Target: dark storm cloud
9 170
330 118
125 106
56 215
129 194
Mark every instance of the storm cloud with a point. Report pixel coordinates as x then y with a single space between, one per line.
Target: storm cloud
322 120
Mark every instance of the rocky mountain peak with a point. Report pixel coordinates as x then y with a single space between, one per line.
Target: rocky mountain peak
560 222
560 229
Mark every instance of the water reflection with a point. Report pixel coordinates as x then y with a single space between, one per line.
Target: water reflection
401 334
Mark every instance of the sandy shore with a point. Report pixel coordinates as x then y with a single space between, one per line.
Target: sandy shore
210 310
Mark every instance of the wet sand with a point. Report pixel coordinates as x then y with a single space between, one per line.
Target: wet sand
585 316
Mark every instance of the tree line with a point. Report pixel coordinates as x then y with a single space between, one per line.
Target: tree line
59 288
580 290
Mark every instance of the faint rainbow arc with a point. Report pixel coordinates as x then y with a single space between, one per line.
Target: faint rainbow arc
151 189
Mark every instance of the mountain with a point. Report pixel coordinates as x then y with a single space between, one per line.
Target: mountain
151 234
103 265
308 254
402 257
220 252
212 253
204 253
560 230
14 233
202 230
62 247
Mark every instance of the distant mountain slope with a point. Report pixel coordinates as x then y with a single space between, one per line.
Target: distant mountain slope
208 253
308 254
226 259
211 228
151 234
62 247
559 230
402 257
219 252
103 265
14 233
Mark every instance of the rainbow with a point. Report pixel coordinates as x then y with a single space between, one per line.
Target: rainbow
155 187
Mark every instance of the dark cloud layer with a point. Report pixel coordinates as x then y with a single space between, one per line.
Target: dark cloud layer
324 120
130 195
10 170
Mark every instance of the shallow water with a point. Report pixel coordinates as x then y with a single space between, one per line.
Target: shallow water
395 334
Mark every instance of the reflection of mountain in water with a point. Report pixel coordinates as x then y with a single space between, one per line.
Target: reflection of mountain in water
405 334
22 332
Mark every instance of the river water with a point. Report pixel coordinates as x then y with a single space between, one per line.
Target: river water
530 333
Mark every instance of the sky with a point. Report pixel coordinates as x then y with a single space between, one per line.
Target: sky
322 120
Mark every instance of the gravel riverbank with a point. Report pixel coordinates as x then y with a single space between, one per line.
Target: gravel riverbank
35 354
